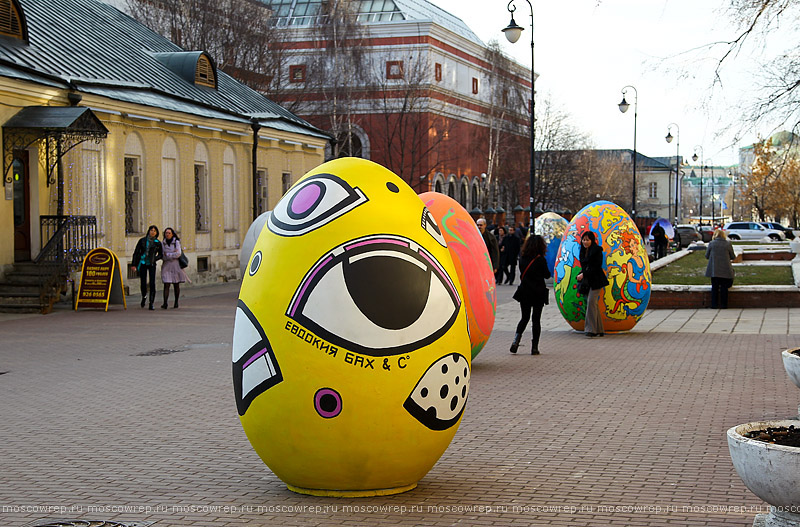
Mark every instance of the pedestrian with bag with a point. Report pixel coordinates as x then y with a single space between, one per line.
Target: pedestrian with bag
145 256
720 254
171 270
592 279
532 293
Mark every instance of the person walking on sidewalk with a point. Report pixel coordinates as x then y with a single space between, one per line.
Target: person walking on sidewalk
145 256
532 293
512 244
171 272
720 254
491 245
591 257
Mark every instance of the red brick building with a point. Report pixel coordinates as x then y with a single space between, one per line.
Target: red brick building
410 86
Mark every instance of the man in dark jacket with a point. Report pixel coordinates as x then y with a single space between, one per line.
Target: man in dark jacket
491 244
511 246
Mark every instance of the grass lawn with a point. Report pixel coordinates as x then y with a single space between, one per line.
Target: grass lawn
691 270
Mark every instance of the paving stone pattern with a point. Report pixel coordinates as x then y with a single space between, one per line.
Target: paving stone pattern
624 430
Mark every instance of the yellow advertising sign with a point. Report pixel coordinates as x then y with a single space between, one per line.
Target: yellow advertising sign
101 281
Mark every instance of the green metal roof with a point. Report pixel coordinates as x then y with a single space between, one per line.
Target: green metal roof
90 47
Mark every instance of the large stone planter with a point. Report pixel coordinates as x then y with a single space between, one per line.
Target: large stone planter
771 472
791 363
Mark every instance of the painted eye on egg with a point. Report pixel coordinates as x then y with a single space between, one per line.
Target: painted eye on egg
313 203
378 295
432 228
255 264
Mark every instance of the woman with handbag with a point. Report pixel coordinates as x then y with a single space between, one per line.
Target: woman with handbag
171 272
532 293
593 276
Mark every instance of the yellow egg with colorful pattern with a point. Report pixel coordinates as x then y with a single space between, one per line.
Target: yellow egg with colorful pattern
351 360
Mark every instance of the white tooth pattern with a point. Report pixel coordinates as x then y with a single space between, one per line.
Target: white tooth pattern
245 335
257 372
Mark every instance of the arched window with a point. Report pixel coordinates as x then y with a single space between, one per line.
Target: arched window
202 190
349 145
133 161
12 20
170 185
229 190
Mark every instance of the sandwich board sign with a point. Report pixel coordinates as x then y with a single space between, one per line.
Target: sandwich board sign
101 281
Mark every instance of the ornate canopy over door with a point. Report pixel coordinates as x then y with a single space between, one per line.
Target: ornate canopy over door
60 128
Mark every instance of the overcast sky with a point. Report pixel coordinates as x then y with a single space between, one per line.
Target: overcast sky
588 50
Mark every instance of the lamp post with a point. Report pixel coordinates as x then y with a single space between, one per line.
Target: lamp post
702 167
711 168
623 107
677 163
512 33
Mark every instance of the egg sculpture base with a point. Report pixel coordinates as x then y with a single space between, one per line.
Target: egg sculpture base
351 356
351 493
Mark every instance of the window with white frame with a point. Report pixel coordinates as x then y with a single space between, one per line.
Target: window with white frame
286 182
170 186
202 206
231 209
653 189
133 184
263 191
133 196
93 186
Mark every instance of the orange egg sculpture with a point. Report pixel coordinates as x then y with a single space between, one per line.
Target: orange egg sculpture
473 265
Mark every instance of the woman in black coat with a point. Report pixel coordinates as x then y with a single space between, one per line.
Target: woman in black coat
145 256
591 257
532 293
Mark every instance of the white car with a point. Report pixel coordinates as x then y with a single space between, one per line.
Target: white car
750 230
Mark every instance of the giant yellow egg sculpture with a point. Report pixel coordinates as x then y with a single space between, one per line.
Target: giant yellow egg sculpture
624 300
351 357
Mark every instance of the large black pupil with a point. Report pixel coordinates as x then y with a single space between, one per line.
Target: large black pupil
391 292
328 403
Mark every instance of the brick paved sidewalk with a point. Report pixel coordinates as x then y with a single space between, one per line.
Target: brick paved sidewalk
104 414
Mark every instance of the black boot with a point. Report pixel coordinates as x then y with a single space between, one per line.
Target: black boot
177 295
534 347
515 344
166 298
144 299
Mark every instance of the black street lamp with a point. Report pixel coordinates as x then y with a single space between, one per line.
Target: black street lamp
623 107
711 168
677 164
513 32
702 168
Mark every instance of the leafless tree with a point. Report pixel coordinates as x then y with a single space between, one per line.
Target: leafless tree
240 35
340 72
413 130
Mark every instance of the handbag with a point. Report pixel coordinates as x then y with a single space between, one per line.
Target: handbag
183 261
518 294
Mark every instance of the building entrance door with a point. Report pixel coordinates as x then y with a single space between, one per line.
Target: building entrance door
22 208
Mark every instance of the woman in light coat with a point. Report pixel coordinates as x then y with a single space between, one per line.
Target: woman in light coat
171 272
720 254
